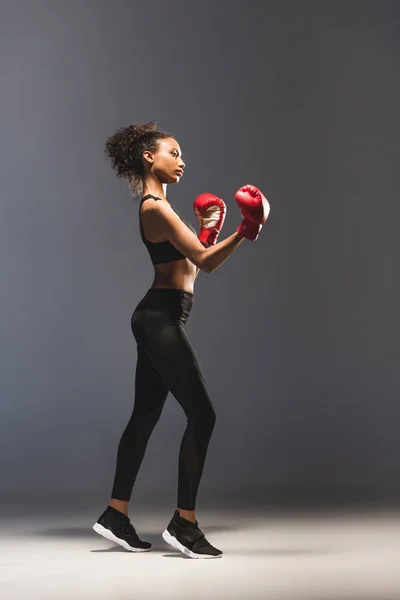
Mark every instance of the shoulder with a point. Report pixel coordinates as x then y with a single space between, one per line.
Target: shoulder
156 207
148 205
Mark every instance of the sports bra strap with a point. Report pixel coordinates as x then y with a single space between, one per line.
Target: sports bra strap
150 196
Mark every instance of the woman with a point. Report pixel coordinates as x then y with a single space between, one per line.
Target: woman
151 159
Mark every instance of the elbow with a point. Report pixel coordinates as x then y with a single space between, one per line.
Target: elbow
203 263
205 266
205 269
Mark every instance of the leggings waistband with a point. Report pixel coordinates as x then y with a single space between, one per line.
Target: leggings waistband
170 291
167 299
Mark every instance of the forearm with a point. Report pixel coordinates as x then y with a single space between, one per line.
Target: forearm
218 253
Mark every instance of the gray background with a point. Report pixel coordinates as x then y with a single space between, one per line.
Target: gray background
297 334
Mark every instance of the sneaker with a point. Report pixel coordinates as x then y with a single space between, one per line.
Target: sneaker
116 527
189 539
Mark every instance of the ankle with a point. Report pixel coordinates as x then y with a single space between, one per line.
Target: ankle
121 505
189 515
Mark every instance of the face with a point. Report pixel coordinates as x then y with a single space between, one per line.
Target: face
167 162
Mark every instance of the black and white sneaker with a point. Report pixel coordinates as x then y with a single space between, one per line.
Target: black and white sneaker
116 527
189 539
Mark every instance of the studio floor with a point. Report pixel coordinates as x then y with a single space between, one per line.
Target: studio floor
266 556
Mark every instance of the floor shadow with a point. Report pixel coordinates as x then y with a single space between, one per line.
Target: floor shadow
155 549
87 532
83 532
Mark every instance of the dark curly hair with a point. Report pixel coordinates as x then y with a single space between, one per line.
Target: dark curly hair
125 150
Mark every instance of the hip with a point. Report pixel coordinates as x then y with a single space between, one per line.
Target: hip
170 305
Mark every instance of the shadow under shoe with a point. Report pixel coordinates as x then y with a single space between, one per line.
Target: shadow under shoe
189 539
116 527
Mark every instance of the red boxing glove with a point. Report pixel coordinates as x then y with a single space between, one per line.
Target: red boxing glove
255 210
210 212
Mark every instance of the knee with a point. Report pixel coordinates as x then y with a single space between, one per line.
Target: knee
141 418
205 419
212 418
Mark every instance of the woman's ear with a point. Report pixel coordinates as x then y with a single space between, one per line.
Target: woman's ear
147 155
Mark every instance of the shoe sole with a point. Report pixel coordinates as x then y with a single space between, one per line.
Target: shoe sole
172 541
106 533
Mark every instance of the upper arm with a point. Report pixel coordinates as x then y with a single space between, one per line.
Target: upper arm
178 234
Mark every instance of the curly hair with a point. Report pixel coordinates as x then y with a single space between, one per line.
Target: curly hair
125 150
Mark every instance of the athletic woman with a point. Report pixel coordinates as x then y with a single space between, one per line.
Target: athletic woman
151 159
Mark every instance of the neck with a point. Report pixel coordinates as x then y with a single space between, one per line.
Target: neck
153 186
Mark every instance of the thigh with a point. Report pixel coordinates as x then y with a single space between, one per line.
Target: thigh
166 342
150 389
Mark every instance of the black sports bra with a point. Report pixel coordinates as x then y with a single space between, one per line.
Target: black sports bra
162 252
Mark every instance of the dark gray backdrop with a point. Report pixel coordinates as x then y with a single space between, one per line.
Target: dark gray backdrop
297 333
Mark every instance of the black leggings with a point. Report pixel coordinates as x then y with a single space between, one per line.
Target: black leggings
165 362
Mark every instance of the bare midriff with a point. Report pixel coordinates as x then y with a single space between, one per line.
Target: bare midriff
179 274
